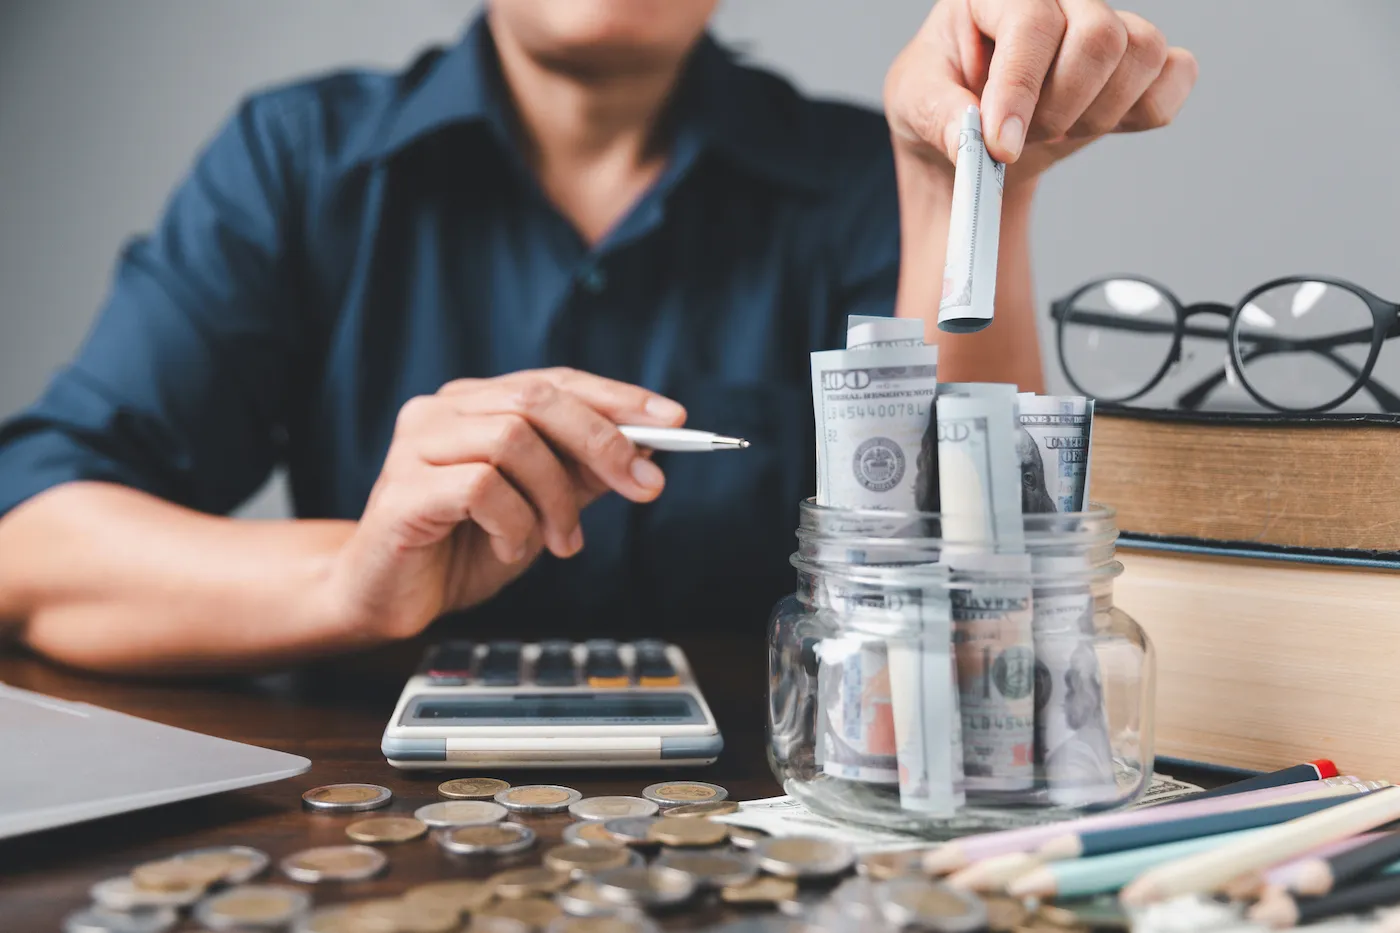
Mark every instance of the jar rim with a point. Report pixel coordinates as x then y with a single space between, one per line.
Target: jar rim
1097 511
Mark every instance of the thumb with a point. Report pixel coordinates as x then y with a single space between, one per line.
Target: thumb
1025 46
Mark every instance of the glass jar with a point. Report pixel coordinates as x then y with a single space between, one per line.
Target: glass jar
939 687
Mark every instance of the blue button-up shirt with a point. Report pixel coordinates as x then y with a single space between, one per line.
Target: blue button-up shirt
347 243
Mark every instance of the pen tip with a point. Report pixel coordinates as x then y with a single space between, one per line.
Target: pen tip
743 444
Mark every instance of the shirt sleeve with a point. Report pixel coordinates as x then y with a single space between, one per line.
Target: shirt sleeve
179 387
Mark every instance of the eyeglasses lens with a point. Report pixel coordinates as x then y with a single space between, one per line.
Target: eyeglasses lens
1116 336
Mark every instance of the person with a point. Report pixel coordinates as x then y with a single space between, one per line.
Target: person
434 295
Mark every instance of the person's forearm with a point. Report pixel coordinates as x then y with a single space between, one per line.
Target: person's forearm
1008 350
103 577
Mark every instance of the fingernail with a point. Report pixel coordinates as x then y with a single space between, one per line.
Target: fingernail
576 539
647 474
664 409
1012 135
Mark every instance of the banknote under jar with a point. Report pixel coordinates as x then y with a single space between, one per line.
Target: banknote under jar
938 687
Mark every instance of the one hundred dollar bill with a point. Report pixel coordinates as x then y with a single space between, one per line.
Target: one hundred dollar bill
864 331
1053 450
857 721
974 232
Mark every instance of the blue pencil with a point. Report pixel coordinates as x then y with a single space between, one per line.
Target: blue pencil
1085 877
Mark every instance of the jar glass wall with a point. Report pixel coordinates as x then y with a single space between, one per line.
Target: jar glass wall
928 684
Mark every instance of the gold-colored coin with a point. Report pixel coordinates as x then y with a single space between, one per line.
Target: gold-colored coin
709 808
345 918
334 863
386 829
347 797
533 911
569 859
759 891
485 834
1004 914
592 833
233 864
175 874
537 795
882 866
609 924
472 788
516 883
406 917
687 832
689 791
744 837
260 905
460 896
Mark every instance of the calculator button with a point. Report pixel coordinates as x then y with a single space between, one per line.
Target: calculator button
449 664
654 669
501 666
555 665
603 667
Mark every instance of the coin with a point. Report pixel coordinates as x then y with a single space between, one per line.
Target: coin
405 917
534 911
643 887
605 808
589 833
485 839
255 906
745 837
347 797
344 918
235 864
857 898
1057 916
631 830
538 798
918 902
709 808
764 890
616 923
1004 914
708 869
461 896
576 861
460 813
334 863
687 832
582 899
803 857
472 788
383 829
172 874
105 920
516 883
121 893
675 793
882 866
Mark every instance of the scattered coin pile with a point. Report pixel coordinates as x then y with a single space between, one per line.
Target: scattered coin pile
623 860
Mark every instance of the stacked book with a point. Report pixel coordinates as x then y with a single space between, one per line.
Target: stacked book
1262 555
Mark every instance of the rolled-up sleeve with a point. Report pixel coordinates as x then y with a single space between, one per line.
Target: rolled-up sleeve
179 388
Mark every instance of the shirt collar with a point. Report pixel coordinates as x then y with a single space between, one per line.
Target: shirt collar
734 113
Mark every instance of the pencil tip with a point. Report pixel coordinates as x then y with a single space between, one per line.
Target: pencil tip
1278 912
1038 882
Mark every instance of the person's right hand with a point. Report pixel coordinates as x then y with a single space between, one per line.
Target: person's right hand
478 480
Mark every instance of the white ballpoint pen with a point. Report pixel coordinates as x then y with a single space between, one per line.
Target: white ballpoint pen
680 440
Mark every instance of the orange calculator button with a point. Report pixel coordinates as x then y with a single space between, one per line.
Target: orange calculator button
607 681
672 681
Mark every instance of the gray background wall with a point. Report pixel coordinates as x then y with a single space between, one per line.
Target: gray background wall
1283 161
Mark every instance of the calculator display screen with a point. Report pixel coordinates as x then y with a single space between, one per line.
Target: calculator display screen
560 709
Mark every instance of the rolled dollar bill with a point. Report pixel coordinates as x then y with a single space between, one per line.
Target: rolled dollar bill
974 233
1053 451
865 331
927 493
857 722
979 487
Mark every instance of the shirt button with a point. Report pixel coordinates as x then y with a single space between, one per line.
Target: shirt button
592 279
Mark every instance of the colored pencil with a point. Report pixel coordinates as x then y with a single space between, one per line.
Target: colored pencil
1315 770
960 853
1283 874
1319 876
1208 871
1085 877
1106 841
1283 910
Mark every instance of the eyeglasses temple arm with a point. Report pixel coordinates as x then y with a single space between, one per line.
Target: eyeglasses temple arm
1192 398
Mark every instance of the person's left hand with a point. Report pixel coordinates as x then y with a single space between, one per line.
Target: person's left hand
1050 76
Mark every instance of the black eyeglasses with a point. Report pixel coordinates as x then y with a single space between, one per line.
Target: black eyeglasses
1298 344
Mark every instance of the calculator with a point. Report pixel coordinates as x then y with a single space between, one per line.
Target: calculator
550 704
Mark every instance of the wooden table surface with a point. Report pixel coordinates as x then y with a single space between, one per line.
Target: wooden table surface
333 715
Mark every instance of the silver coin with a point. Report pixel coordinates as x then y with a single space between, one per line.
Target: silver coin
347 798
676 793
333 863
858 899
121 893
643 887
581 899
343 917
253 907
488 839
712 869
630 829
804 856
538 798
628 922
105 920
746 837
918 902
587 833
607 808
460 812
252 862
